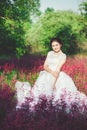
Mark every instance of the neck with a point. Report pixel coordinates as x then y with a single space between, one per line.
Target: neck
57 52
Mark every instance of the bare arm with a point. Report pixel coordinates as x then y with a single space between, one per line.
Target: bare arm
57 71
46 66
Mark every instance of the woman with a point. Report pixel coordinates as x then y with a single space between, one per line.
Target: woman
51 81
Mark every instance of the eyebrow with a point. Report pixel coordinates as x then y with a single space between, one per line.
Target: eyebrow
55 44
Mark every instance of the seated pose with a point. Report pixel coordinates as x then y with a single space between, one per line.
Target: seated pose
51 81
52 78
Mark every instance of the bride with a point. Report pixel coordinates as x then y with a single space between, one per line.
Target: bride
52 78
51 81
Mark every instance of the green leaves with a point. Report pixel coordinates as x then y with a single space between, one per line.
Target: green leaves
63 24
15 20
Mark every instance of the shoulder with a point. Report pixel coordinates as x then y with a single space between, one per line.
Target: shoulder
63 55
50 52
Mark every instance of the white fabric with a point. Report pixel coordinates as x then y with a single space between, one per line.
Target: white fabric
45 81
65 87
22 92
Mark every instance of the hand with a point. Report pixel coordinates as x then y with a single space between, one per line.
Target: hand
55 74
54 88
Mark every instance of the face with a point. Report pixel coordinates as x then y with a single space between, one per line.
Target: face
56 46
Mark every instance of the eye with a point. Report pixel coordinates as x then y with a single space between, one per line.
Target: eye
53 46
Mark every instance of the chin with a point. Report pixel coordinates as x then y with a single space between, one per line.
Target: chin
56 51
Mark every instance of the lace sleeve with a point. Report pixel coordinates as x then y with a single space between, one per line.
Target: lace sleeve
46 60
61 63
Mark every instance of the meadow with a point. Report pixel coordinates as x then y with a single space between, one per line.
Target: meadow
27 69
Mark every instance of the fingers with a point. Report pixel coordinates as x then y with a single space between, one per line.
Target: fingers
54 88
55 74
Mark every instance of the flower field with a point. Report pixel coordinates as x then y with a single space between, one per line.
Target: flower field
46 116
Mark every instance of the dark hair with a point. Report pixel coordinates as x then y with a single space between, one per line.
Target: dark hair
56 40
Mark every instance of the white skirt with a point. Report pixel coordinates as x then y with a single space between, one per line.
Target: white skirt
45 81
44 86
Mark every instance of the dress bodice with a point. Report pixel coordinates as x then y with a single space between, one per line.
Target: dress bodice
54 59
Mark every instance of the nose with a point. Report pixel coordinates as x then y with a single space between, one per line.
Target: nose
55 46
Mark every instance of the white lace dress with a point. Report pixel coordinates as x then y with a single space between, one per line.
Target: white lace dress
44 84
45 81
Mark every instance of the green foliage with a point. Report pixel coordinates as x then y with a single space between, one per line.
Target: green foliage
63 24
19 35
12 37
83 9
15 19
19 10
49 10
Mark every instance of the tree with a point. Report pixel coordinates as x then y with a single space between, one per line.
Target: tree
63 24
19 10
83 9
49 10
15 15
